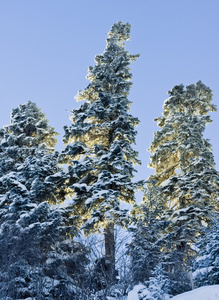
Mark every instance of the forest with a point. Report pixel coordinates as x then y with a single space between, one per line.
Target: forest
70 225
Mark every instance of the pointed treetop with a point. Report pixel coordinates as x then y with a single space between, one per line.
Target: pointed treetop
111 73
119 32
28 121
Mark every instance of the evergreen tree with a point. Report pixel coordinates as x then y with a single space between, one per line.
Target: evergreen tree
158 285
99 141
28 163
156 288
206 265
36 247
152 243
147 234
184 164
22 143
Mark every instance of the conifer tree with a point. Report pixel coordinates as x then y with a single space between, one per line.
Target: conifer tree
158 285
35 249
156 288
147 234
99 149
206 265
152 243
26 144
184 164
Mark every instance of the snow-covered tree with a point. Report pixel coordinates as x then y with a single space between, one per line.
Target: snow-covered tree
147 234
99 149
31 128
184 164
156 288
206 265
36 238
158 285
27 146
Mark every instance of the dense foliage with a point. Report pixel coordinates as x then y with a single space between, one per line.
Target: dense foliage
51 202
99 141
36 237
147 234
184 163
186 184
206 265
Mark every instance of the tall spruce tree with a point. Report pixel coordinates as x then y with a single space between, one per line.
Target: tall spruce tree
184 164
36 239
99 149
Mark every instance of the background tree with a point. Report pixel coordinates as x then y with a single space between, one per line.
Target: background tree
156 288
99 141
206 265
184 165
147 230
152 245
158 285
36 238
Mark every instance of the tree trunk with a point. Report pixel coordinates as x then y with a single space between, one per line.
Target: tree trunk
110 254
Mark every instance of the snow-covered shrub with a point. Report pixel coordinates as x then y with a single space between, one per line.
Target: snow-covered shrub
157 288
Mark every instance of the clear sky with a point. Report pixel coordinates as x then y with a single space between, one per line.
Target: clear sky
47 46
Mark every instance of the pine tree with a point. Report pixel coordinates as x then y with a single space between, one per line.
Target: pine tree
206 265
184 164
99 141
35 237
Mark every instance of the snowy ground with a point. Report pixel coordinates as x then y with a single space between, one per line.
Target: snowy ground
202 293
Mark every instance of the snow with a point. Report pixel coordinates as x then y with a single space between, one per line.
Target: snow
15 182
141 292
99 194
165 182
203 257
202 293
203 271
133 294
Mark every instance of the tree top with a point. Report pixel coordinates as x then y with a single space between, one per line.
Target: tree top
119 32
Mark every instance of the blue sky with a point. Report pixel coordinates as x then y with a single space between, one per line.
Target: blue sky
47 46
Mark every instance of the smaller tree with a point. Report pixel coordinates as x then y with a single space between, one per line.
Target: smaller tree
206 265
38 258
147 234
158 285
156 288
